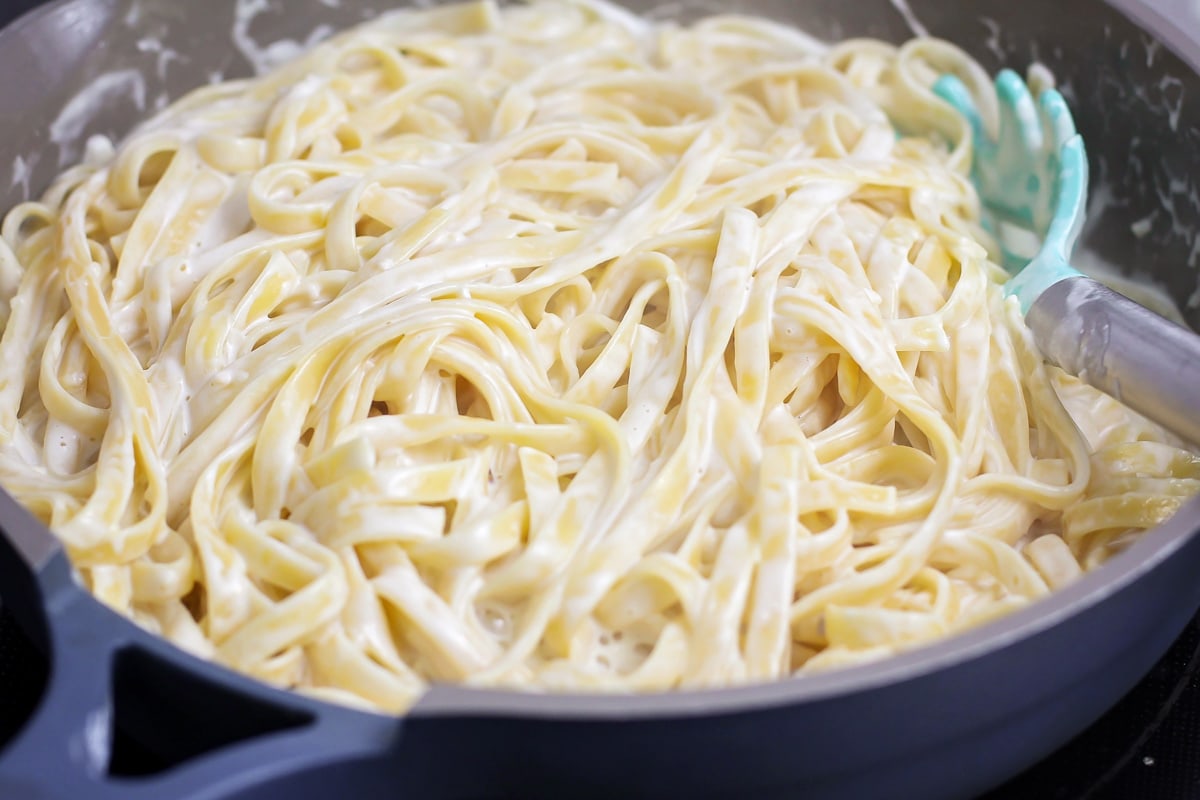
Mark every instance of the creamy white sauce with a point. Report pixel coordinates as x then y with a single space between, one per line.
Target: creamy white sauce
22 171
68 127
910 19
264 58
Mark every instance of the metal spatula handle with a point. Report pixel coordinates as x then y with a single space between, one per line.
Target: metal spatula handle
1120 347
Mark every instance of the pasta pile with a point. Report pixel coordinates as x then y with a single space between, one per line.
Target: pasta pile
547 347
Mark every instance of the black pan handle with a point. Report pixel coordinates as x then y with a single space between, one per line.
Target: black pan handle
65 750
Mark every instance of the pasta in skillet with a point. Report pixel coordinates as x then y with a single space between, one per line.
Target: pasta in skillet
549 347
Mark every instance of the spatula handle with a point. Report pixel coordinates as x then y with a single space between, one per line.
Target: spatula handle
1122 348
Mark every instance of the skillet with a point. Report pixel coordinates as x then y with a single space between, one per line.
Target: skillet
947 721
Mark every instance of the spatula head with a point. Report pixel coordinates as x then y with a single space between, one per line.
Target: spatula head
1030 169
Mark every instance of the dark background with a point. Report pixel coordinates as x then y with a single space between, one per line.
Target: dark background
1148 746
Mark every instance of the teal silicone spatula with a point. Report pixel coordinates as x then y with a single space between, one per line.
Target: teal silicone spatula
1033 178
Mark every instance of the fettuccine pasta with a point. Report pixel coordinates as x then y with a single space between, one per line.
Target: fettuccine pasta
547 347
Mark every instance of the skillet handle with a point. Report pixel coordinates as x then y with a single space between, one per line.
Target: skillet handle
28 573
65 749
1122 348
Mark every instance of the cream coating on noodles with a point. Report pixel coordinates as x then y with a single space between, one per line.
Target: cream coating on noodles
546 347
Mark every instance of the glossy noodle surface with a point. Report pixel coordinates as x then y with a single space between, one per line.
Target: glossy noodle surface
551 348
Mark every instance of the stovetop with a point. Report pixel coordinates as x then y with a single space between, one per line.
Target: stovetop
1148 746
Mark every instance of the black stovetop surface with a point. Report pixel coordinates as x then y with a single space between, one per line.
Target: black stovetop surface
1148 746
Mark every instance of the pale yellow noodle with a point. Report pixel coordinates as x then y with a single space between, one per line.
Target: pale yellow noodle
548 347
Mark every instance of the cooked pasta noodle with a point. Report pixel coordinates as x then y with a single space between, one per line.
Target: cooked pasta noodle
548 347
